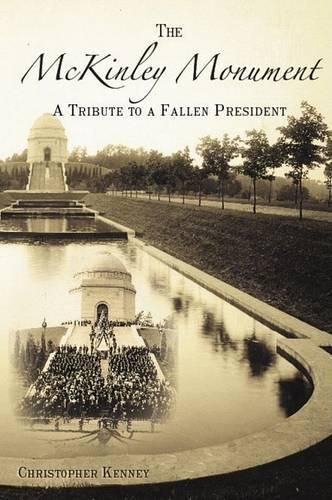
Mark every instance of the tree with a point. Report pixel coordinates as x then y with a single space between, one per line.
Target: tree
302 144
137 176
276 153
170 175
198 176
22 360
159 173
125 178
4 180
154 171
217 157
78 154
232 186
43 351
209 184
31 358
19 157
100 184
163 175
116 156
288 192
328 182
163 345
257 158
50 346
183 168
328 169
294 176
17 350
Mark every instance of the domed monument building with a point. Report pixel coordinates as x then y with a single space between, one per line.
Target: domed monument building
47 155
47 140
105 286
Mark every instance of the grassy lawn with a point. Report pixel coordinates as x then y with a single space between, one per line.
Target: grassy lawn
280 260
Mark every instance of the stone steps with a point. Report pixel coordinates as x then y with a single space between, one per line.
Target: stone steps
46 208
47 176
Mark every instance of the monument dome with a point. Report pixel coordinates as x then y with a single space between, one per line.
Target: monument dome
105 285
47 140
47 121
107 262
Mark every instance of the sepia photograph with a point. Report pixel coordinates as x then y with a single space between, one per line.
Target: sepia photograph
166 250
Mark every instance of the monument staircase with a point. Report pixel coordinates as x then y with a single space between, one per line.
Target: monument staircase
47 177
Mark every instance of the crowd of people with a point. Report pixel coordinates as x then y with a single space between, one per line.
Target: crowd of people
73 385
137 390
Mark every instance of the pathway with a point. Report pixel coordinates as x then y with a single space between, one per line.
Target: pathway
79 336
246 207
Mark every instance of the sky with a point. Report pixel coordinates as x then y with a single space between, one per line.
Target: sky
255 33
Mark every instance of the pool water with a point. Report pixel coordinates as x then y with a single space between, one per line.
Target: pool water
229 379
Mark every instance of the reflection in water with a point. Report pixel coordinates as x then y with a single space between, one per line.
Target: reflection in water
217 330
209 322
211 343
259 356
292 393
178 304
43 225
55 225
223 339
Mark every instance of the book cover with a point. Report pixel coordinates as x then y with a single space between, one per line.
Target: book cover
165 249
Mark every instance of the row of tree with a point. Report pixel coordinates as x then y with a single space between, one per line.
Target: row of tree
89 176
29 356
303 144
15 177
112 156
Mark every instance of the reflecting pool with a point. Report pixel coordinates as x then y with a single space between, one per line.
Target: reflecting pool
229 379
